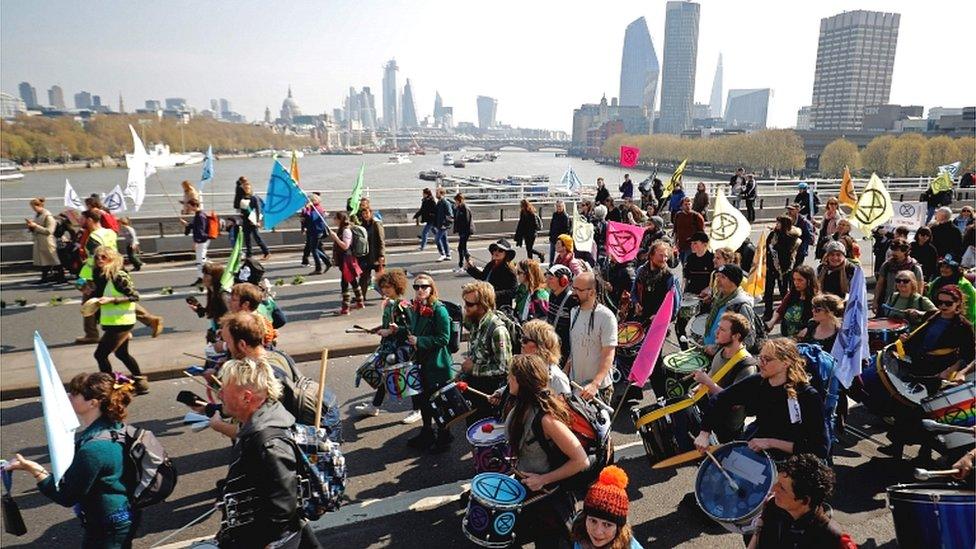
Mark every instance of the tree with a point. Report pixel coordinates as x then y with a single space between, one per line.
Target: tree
967 152
15 147
874 157
837 155
941 150
907 155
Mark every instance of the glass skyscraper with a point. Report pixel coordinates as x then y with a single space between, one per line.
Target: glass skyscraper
639 68
680 59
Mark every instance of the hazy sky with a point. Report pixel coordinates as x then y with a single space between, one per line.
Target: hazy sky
540 59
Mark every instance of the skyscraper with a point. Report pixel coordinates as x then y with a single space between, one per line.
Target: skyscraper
215 107
487 108
55 97
83 100
409 109
390 115
28 94
121 104
747 108
680 60
224 106
855 57
177 103
639 67
715 105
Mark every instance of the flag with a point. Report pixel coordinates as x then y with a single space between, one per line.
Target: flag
729 228
571 181
71 199
675 179
60 420
628 156
851 346
847 196
283 198
293 170
139 169
873 206
582 231
623 241
653 342
755 283
115 200
208 167
943 182
352 205
233 264
952 169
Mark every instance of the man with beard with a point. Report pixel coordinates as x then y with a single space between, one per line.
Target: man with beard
489 345
736 362
651 284
499 273
730 297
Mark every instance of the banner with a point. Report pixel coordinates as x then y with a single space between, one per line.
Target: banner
629 156
755 283
571 181
729 228
951 169
942 183
650 350
582 231
907 214
208 167
283 198
675 179
71 199
873 206
60 420
352 205
847 196
139 169
114 201
623 241
851 346
293 170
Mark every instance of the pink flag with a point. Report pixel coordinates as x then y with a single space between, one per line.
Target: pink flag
623 241
628 156
653 342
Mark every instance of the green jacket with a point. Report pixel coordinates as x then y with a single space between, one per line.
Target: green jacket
433 333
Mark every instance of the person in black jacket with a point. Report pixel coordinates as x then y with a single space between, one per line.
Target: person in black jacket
749 193
500 272
945 236
602 193
263 473
736 185
925 253
781 251
808 201
463 227
425 215
443 219
934 201
250 208
627 188
558 224
528 226
239 191
201 239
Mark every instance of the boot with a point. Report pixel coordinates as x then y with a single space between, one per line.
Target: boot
91 330
141 384
153 322
422 440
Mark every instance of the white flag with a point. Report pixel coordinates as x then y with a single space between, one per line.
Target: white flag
873 206
729 228
60 420
139 169
582 231
115 200
71 199
571 181
952 169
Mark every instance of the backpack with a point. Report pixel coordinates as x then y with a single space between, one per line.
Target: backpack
821 366
319 466
360 241
591 426
507 317
148 474
758 329
213 225
454 311
251 271
300 396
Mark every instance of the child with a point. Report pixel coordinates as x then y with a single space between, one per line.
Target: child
393 347
132 250
603 522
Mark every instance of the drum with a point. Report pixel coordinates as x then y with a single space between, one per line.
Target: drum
205 544
696 329
954 406
889 386
668 430
680 365
494 505
629 336
449 405
884 331
490 448
329 466
754 473
689 307
403 379
371 371
933 515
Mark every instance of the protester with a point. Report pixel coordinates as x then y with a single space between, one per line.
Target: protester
945 236
946 330
843 235
884 288
701 200
733 357
737 185
558 225
392 329
722 256
45 251
189 193
561 301
729 297
796 309
94 202
426 215
215 307
782 249
528 226
969 245
907 301
133 251
697 274
443 219
201 240
651 284
626 188
603 522
593 341
250 206
686 223
675 200
835 272
599 233
539 338
828 225
924 252
823 326
936 200
499 272
93 483
375 258
463 227
349 268
531 294
430 333
808 202
964 219
950 273
881 241
565 256
489 345
749 194
806 233
746 255
602 193
313 221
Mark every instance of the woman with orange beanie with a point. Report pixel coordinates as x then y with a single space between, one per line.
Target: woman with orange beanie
564 255
603 522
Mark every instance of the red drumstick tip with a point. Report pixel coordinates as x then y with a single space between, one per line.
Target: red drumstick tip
462 385
487 428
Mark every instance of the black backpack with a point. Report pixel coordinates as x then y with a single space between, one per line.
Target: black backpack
148 474
251 271
591 425
507 315
300 396
454 311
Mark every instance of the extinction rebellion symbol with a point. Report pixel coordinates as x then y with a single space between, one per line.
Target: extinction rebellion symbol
906 210
871 207
724 226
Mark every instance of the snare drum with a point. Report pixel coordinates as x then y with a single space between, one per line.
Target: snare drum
371 371
884 331
667 430
329 467
403 380
449 405
933 515
495 502
755 474
888 385
696 329
490 448
679 366
689 307
629 335
954 406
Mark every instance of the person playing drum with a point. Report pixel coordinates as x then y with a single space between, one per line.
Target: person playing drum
697 273
797 515
603 522
489 345
651 284
392 330
907 302
540 414
788 410
733 328
951 273
730 298
944 344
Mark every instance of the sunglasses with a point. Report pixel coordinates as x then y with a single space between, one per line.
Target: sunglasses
527 340
903 280
470 303
419 287
101 257
944 303
818 309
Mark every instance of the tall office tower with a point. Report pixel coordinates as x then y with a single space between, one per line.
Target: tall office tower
224 106
215 107
96 101
639 67
747 108
28 94
83 100
367 106
353 109
438 108
680 59
715 105
390 115
121 104
855 57
55 97
487 109
409 109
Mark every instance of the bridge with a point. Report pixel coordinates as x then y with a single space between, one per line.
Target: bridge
488 143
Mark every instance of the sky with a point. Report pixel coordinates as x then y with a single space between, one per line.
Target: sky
540 59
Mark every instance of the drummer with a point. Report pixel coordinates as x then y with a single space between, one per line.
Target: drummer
697 273
951 273
730 297
651 284
593 341
489 345
788 410
944 344
732 356
907 302
392 329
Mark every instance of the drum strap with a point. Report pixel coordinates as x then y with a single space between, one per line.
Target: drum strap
723 371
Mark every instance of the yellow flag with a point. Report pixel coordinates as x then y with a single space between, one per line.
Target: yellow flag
941 183
729 228
755 283
582 231
675 179
294 167
847 196
873 207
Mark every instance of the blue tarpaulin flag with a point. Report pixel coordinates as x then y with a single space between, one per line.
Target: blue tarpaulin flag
60 420
851 345
571 181
208 168
283 199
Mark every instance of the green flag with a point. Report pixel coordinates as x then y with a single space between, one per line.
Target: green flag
357 191
941 183
233 264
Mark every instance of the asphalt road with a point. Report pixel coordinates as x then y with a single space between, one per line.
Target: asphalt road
399 497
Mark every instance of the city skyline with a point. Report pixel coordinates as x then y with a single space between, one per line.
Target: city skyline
52 43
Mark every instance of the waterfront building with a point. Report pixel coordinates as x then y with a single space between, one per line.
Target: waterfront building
855 58
591 128
390 115
215 108
224 108
803 118
715 105
958 125
487 109
55 97
83 100
11 106
639 68
175 104
121 104
680 62
29 94
747 109
153 105
885 117
289 109
267 115
409 108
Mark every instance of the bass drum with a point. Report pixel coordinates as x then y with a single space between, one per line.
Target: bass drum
933 515
755 474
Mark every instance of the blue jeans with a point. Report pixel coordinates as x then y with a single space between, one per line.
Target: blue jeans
441 240
552 251
428 227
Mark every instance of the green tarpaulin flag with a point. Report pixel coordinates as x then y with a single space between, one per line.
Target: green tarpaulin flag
233 264
357 191
941 183
675 179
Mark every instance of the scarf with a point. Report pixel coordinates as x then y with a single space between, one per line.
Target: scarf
718 304
845 284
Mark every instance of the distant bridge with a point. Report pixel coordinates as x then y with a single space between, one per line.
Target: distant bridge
454 142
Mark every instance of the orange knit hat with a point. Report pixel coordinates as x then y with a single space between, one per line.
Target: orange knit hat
567 242
607 497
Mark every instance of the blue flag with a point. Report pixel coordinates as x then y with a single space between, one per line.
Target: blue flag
851 345
283 199
60 420
208 167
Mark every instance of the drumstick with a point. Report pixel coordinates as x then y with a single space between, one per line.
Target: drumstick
203 358
201 382
523 476
355 330
463 386
925 474
708 452
596 399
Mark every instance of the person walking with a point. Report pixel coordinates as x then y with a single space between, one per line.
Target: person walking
426 215
923 251
443 220
132 249
529 225
189 193
375 258
201 240
464 228
749 193
531 294
250 208
700 202
558 225
602 192
348 265
737 184
781 252
489 346
499 272
593 341
626 188
45 250
686 223
313 220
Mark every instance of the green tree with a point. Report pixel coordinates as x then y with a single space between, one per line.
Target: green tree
15 147
874 157
837 155
907 155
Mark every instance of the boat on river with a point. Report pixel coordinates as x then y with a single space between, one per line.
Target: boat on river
160 157
398 158
9 170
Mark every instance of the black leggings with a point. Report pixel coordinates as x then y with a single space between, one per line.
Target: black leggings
111 336
530 248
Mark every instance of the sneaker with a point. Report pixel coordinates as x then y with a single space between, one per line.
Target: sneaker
360 304
266 256
412 417
343 311
366 409
442 258
141 385
315 272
